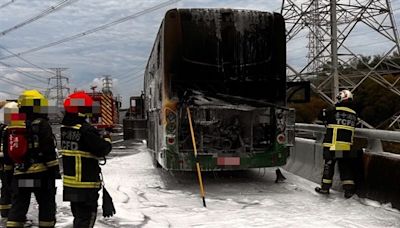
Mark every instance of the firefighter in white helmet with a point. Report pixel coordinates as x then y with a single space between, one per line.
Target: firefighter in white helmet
341 121
6 171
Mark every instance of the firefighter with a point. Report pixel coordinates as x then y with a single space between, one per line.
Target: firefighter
31 150
6 171
341 121
81 146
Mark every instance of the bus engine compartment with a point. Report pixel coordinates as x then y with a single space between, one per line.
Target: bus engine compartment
234 126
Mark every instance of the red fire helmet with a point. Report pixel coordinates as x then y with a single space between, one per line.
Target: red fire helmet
78 102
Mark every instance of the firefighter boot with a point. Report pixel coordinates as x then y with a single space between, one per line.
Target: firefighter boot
348 194
322 191
349 188
349 191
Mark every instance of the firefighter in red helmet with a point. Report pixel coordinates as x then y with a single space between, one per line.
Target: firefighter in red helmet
341 121
30 149
81 147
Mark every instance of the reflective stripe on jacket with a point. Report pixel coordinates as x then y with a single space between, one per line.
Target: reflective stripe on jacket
41 155
81 168
340 129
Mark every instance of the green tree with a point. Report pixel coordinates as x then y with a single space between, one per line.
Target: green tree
374 103
308 112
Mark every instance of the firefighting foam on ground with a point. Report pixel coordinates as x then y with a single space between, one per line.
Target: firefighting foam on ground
145 196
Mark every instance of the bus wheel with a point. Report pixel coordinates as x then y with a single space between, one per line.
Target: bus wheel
156 164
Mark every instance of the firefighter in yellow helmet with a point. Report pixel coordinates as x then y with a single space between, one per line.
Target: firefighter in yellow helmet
82 146
11 119
31 150
341 121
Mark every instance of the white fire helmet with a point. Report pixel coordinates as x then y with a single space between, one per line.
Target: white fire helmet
344 95
11 107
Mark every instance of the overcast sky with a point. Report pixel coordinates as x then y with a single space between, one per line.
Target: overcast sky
120 51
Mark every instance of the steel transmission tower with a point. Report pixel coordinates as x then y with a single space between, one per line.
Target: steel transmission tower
59 87
314 40
335 28
107 84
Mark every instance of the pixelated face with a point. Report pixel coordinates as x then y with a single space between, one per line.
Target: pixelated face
39 106
78 105
77 102
14 119
344 95
339 97
10 110
31 102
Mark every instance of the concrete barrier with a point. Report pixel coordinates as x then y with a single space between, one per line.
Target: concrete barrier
378 174
306 160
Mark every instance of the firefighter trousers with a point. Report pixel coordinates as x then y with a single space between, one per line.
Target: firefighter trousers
21 197
346 171
5 199
84 213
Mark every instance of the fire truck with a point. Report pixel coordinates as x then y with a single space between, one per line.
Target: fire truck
106 110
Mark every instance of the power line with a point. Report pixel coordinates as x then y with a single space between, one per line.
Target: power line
25 60
128 74
6 4
135 77
23 73
8 92
134 68
358 45
12 82
29 75
19 84
44 13
102 27
353 35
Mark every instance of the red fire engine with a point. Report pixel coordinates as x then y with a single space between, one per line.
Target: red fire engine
106 112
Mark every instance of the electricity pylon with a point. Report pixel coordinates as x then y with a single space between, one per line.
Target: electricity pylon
107 84
334 29
59 87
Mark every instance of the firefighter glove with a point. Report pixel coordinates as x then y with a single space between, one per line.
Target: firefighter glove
108 205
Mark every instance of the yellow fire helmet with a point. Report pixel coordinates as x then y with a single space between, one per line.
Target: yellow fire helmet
33 98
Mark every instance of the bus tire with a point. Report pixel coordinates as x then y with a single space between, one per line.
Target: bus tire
156 164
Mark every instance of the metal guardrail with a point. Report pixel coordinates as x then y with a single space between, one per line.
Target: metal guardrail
375 170
374 136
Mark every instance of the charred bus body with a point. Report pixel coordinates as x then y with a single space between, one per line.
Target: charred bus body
229 68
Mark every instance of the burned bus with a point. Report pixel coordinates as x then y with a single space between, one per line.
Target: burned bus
229 68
